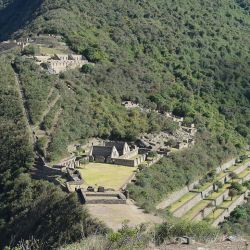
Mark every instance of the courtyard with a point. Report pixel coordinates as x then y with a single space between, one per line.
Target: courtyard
106 175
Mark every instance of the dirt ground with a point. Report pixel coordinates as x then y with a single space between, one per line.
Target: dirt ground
239 245
113 215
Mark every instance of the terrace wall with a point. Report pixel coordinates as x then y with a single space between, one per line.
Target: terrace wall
175 196
246 178
187 205
242 168
202 214
225 165
228 210
221 198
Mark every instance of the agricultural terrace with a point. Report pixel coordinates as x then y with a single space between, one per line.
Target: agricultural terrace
106 175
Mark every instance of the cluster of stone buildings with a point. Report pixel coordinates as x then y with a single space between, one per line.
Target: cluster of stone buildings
9 44
119 153
183 138
60 62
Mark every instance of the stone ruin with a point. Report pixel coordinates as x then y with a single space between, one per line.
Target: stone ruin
60 62
102 197
118 153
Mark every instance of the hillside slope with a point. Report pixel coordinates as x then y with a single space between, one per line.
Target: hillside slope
188 57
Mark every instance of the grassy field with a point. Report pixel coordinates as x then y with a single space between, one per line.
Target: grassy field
106 175
52 51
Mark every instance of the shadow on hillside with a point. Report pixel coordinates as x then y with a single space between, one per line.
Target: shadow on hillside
16 15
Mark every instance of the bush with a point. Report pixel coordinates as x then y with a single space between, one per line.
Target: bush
236 186
87 68
200 231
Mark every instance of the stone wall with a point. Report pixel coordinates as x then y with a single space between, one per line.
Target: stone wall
202 214
207 191
228 210
175 196
178 194
221 198
188 205
242 168
225 165
128 162
124 162
102 198
130 154
104 201
246 178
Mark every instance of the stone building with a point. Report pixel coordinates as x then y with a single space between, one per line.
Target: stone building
60 62
122 147
103 153
118 153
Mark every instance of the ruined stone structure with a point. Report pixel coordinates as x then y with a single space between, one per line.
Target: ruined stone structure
68 163
130 105
76 180
22 43
118 153
60 62
103 153
106 197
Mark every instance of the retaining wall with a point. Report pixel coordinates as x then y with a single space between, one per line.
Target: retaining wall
225 165
241 168
178 194
207 191
246 178
228 210
202 214
187 205
175 196
221 198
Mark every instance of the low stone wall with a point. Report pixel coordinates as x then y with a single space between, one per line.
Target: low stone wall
188 205
101 194
103 201
102 198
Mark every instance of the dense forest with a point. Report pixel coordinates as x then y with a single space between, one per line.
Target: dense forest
188 57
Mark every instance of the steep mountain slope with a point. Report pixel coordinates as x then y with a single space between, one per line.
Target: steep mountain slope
188 57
